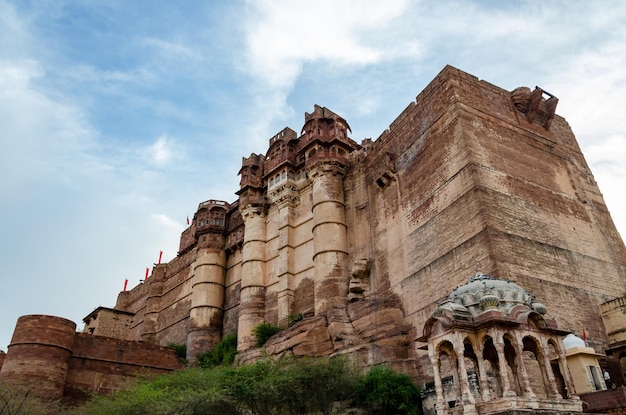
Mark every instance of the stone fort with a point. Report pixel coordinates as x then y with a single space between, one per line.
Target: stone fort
351 248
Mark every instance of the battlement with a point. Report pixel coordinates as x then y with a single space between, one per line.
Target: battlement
211 202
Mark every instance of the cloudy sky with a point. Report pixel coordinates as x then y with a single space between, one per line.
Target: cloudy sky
118 117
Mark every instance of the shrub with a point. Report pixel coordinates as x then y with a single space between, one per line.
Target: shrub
385 392
294 318
223 354
263 332
17 400
179 349
324 382
185 392
291 386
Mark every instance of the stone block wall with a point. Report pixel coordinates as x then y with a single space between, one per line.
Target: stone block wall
461 182
104 365
49 357
610 401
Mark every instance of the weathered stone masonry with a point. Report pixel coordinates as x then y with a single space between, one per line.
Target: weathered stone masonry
361 240
469 175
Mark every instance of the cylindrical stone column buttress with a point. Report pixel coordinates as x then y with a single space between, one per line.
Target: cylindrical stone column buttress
252 299
330 240
207 301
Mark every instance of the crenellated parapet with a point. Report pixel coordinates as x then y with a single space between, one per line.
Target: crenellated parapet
210 219
252 184
325 137
282 152
251 171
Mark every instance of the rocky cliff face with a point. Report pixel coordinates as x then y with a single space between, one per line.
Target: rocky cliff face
378 335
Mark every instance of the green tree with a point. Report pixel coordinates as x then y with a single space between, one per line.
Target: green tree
254 387
328 381
386 392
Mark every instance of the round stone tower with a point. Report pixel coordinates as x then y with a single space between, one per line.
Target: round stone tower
207 284
253 208
326 147
252 304
39 354
153 304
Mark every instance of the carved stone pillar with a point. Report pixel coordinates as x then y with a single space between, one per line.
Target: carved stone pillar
546 369
252 300
440 404
482 375
571 390
521 370
458 394
504 374
466 393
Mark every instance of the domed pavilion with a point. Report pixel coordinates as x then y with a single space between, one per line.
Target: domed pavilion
494 350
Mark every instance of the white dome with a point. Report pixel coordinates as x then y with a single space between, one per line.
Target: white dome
571 341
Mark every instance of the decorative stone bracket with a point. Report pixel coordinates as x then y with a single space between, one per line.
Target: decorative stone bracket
534 105
359 283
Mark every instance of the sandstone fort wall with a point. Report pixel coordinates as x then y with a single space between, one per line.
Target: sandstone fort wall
49 357
462 181
360 241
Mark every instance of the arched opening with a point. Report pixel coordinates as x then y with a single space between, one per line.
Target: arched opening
533 361
490 357
622 363
471 366
512 361
449 374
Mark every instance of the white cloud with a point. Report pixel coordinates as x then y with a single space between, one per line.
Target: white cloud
15 76
284 35
160 151
591 87
43 137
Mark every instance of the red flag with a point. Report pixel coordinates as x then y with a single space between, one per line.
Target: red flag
147 273
160 256
125 284
584 336
187 220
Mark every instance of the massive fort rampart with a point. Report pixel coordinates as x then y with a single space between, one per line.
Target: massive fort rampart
363 239
461 180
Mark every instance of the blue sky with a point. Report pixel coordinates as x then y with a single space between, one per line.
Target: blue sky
118 117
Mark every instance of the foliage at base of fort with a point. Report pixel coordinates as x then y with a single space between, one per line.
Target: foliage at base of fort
263 332
385 392
15 400
180 349
223 354
268 387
